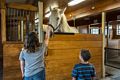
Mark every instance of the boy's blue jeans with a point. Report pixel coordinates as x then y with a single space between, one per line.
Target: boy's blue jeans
38 76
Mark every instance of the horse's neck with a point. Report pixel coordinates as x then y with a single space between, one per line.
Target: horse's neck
64 22
65 26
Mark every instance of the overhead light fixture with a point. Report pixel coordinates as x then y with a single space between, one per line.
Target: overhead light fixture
48 14
93 7
75 2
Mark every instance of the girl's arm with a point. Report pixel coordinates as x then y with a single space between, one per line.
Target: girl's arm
22 65
73 78
47 36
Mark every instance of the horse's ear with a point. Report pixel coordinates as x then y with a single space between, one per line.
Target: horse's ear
50 8
63 10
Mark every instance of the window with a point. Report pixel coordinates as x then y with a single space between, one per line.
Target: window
106 32
118 29
109 29
94 30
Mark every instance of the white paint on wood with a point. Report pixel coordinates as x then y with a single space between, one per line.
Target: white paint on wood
103 31
22 30
3 25
40 15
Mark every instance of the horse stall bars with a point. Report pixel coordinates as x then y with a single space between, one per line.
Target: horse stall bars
16 19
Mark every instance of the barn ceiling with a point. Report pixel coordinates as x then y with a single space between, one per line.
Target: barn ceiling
59 3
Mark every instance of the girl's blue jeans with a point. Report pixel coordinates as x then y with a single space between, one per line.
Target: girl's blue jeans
38 76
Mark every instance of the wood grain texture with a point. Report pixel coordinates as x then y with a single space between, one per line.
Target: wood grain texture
3 25
74 44
103 5
22 6
76 37
63 54
11 61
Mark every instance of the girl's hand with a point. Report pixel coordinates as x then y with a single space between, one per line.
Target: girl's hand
22 48
47 36
22 75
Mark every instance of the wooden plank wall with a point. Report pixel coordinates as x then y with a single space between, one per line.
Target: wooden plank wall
11 61
63 54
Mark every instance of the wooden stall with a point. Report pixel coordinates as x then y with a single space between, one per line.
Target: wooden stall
63 54
63 51
11 61
18 17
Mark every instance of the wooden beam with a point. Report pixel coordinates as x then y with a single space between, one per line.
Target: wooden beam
3 25
29 1
104 5
2 3
103 43
22 6
3 20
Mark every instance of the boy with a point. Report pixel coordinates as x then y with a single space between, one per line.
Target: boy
84 70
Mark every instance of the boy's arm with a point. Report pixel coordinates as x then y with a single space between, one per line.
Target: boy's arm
94 74
74 73
73 78
22 65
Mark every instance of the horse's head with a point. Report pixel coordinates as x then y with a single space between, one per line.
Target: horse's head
56 16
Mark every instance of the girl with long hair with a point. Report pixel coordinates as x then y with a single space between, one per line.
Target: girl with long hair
32 57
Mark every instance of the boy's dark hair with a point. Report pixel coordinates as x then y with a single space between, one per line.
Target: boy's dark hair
85 54
31 43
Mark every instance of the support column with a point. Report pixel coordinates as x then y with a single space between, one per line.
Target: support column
40 28
107 33
103 33
3 20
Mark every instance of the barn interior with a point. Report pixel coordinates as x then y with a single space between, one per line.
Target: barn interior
98 23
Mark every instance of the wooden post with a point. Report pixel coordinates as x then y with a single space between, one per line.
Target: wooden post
107 34
40 28
3 21
22 24
27 24
103 33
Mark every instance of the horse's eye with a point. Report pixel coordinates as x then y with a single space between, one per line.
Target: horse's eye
57 18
